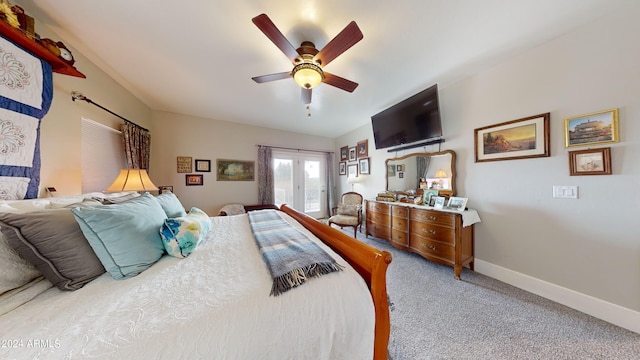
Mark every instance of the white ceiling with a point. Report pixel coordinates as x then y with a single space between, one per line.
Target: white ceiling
197 57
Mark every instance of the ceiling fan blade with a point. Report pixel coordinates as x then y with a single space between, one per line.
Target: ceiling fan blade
272 77
348 37
339 82
305 96
267 26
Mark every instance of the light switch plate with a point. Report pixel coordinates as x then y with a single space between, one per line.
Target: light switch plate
565 192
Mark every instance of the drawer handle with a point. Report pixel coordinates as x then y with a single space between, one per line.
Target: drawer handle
430 231
430 247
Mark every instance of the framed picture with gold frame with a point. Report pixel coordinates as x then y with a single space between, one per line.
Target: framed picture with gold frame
591 129
363 149
590 162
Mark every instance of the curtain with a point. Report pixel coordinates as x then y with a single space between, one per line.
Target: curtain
422 163
331 201
137 145
265 176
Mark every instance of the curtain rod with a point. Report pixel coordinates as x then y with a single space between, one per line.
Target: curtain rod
288 148
76 95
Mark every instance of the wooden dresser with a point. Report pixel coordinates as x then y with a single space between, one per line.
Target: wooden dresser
435 235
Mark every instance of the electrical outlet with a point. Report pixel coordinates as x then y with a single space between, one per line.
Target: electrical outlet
565 192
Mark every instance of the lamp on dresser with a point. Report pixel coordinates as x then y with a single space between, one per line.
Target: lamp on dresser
132 180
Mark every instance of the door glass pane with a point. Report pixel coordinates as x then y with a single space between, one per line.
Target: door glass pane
312 186
283 181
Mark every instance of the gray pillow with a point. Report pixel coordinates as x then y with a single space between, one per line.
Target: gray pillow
53 242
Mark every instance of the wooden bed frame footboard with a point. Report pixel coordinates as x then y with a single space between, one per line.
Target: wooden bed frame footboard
368 261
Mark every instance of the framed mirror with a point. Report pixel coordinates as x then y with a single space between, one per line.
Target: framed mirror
437 168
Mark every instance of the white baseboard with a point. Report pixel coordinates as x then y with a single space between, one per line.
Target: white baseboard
609 312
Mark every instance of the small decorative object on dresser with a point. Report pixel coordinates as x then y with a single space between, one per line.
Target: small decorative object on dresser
457 203
439 203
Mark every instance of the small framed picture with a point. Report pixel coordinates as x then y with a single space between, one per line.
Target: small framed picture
432 201
457 203
165 189
439 202
428 195
352 170
353 154
391 170
344 153
363 149
400 168
401 174
203 165
184 164
363 166
342 168
591 129
590 162
193 180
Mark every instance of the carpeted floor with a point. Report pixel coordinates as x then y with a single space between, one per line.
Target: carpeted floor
435 316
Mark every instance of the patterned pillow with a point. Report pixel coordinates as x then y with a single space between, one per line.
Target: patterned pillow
181 235
351 210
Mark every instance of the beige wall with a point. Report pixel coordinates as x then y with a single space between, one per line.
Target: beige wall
589 245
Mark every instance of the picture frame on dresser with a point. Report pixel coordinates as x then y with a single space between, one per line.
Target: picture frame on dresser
439 202
457 203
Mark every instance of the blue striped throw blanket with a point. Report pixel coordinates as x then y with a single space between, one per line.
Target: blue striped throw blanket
290 255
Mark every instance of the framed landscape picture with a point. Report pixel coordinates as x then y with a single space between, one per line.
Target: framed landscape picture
517 139
235 170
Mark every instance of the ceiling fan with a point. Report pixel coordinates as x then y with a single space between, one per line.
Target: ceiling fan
308 62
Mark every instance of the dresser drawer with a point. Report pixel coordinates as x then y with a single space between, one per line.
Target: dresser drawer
399 224
379 218
432 231
432 248
400 211
439 217
378 207
400 237
378 231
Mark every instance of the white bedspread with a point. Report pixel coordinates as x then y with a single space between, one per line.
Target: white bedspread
214 304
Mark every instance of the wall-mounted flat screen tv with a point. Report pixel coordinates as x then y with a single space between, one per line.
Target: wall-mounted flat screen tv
414 119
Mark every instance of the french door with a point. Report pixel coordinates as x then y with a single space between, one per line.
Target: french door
299 181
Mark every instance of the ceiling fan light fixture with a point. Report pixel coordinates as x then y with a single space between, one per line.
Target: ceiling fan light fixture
308 75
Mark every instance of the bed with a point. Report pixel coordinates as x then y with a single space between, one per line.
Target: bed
215 303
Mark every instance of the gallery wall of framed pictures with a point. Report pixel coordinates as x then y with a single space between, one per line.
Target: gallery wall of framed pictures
354 160
529 138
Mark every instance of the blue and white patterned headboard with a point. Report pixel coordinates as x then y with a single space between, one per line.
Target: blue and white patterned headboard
26 91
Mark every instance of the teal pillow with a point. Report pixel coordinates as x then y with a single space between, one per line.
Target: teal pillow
124 236
171 205
181 235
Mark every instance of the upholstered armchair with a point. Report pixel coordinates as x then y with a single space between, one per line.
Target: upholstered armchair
348 212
